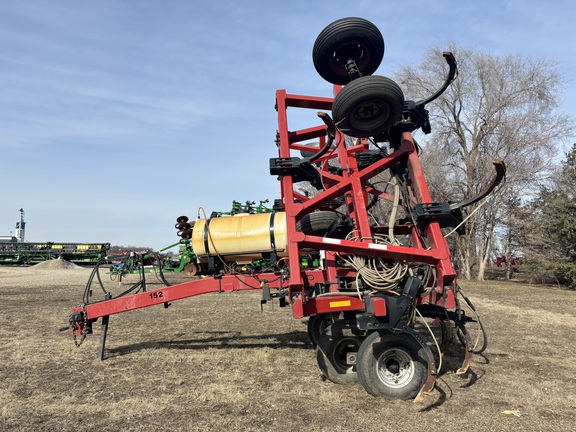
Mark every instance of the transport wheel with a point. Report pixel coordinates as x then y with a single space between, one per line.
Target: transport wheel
368 106
337 350
347 38
317 223
317 324
391 365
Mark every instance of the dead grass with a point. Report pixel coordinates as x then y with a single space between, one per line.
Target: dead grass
215 362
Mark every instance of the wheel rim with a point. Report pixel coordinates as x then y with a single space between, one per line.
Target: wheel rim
395 368
355 51
369 114
341 351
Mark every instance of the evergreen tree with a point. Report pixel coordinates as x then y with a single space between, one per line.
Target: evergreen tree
550 235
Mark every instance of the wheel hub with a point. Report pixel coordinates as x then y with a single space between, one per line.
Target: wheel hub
371 110
395 368
345 353
354 51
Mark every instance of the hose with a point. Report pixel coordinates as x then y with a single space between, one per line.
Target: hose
481 329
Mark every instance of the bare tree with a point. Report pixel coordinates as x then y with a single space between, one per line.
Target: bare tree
498 108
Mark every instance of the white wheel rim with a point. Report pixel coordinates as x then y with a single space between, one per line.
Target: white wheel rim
395 368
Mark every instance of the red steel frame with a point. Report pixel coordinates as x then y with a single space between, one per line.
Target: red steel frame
350 184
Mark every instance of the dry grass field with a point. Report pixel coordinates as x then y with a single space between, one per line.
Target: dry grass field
216 362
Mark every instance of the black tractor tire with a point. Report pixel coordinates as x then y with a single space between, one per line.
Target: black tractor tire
317 324
336 346
391 365
368 106
317 223
344 39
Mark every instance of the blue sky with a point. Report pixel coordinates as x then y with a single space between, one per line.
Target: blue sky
117 116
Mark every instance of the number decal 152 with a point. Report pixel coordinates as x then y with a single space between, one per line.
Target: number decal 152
156 295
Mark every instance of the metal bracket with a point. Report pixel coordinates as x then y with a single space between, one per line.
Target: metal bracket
438 212
396 307
298 169
352 69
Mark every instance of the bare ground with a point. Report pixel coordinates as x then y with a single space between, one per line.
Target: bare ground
216 362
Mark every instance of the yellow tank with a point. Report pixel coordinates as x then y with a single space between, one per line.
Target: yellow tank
242 238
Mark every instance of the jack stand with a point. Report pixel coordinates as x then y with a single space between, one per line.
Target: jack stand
105 320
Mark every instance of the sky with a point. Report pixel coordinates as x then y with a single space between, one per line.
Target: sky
118 116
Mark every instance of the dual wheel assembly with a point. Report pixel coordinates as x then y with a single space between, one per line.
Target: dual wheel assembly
347 52
388 364
394 363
